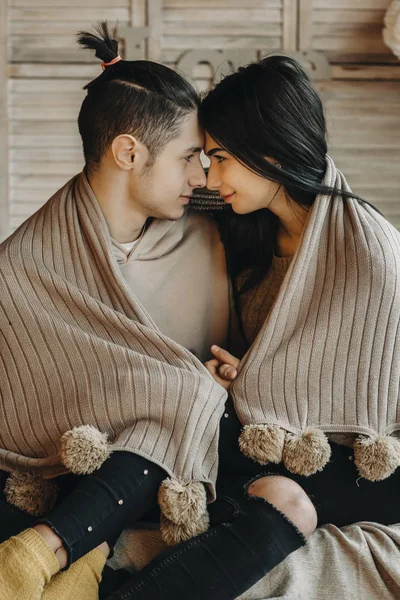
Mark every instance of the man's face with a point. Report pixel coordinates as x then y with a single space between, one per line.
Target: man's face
163 190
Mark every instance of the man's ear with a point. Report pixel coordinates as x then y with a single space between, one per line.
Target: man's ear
129 153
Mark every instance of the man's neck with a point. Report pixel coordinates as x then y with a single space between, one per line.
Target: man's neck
125 222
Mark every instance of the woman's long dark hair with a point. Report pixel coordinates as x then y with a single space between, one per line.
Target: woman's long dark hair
267 109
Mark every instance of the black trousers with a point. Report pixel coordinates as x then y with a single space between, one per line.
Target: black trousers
339 494
94 508
248 537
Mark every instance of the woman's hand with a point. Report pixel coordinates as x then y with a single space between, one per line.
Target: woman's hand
223 367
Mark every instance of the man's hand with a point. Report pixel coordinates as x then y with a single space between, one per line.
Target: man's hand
223 367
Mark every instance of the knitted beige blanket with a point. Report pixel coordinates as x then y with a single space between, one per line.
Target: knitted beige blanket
357 562
327 358
84 369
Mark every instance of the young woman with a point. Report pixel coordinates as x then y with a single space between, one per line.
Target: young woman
315 272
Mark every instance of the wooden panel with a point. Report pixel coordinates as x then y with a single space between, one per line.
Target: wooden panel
48 70
184 17
219 4
225 24
372 72
4 207
363 119
305 24
154 21
49 183
290 24
138 12
55 71
259 25
61 10
45 156
42 133
354 4
345 30
46 31
77 4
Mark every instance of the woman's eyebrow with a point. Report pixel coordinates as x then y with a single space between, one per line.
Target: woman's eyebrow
214 150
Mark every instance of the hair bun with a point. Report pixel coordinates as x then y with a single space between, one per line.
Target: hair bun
102 41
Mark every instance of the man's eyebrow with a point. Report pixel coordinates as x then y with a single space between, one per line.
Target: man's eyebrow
194 149
214 150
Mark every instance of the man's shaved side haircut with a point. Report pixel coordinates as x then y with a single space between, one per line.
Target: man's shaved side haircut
142 98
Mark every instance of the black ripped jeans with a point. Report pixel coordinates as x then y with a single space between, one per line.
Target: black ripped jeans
248 536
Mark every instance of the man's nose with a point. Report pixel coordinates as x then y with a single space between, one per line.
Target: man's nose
213 180
198 178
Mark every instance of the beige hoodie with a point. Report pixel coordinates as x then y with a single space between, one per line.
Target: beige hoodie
177 271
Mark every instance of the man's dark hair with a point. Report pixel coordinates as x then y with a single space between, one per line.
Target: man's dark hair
141 98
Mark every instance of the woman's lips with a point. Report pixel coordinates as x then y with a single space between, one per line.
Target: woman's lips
228 199
186 199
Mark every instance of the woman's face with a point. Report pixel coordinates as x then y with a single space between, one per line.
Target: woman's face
244 190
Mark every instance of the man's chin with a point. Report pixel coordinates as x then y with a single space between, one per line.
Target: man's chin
173 216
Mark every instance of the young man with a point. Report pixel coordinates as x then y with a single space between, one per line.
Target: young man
77 345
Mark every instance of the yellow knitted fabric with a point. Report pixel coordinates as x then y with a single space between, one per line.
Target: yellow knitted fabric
80 581
27 564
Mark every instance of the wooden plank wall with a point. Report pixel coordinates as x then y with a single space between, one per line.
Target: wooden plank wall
46 71
364 138
362 102
346 30
4 195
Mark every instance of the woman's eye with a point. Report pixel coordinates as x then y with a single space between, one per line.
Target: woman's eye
188 158
219 158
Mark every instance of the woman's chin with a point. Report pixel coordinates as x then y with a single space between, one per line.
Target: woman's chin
240 210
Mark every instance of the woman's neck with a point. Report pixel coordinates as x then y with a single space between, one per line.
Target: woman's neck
292 219
286 245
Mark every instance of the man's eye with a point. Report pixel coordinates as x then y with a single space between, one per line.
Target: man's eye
219 158
187 158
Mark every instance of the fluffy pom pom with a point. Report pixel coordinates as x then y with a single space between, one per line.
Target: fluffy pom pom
31 493
262 443
182 503
84 449
307 453
376 457
172 533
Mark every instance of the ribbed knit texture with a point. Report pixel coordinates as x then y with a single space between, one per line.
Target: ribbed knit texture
80 581
27 564
255 305
77 347
328 354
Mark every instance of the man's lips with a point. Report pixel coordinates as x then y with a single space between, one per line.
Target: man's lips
228 198
186 199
